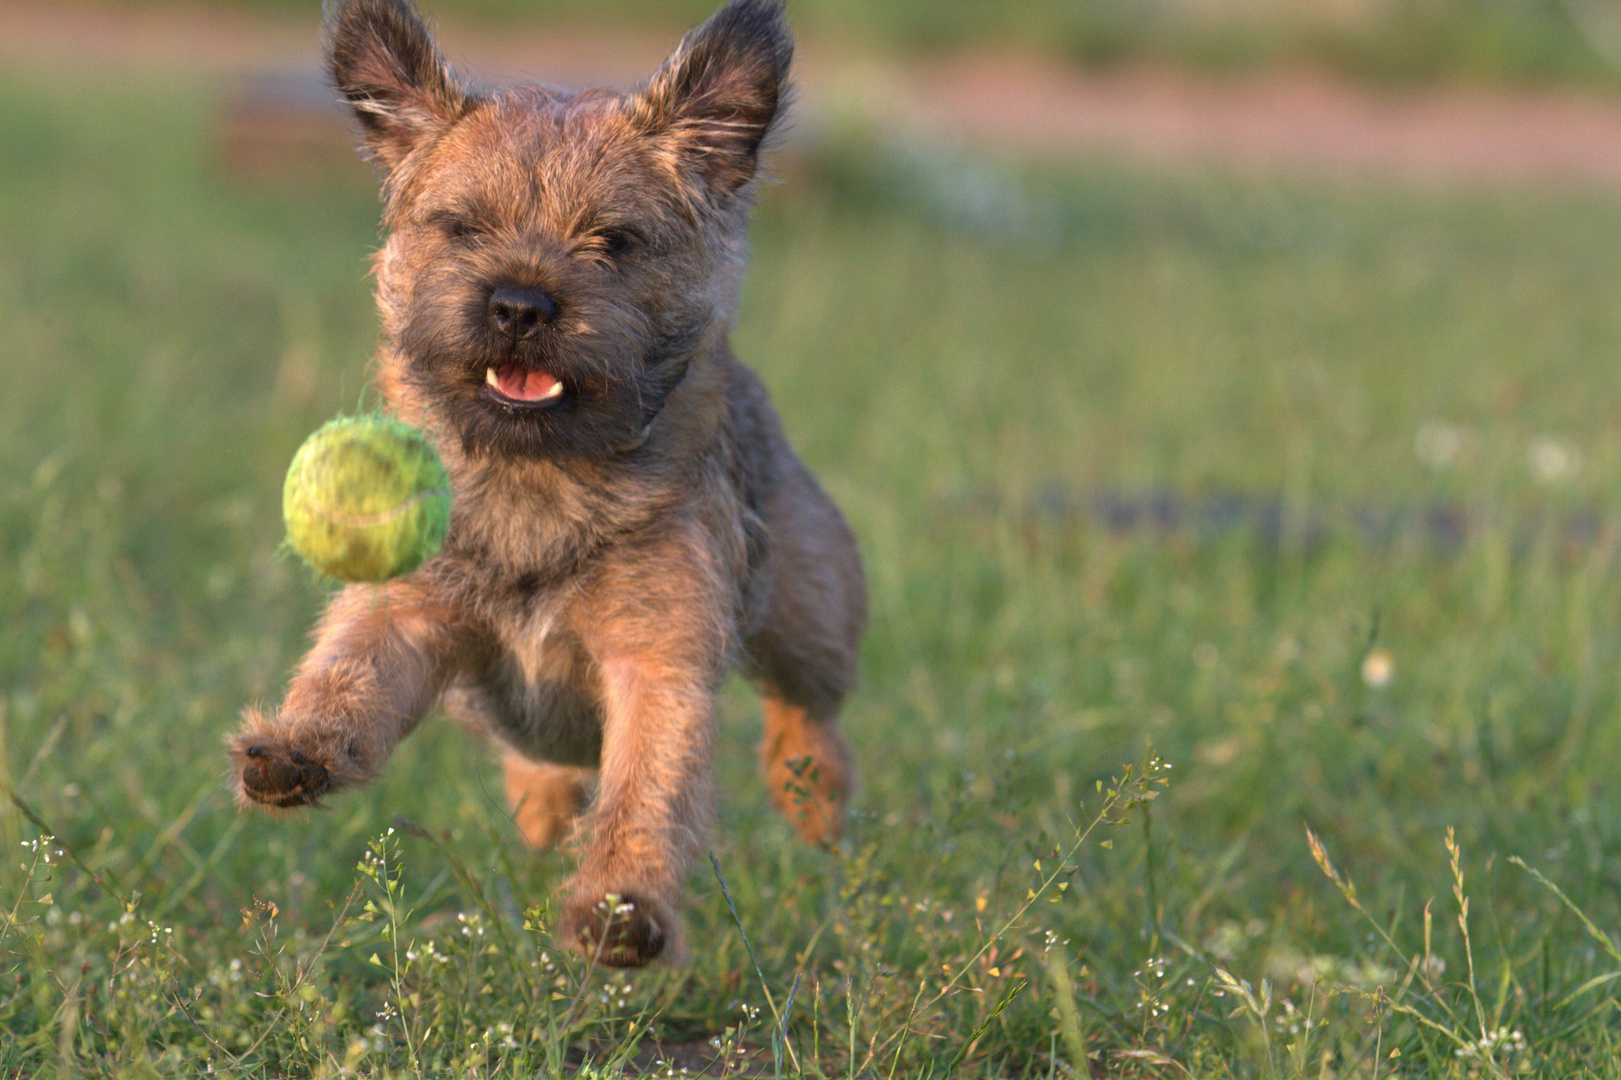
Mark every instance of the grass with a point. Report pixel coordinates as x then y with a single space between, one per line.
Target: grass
1513 41
1298 500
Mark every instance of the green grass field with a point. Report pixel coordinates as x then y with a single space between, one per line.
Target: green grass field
1515 41
1301 501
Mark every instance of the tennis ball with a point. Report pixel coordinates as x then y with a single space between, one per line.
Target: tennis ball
366 499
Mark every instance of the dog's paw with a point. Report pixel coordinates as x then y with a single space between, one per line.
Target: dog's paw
270 772
619 929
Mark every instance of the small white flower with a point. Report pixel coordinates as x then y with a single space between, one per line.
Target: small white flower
1552 459
1378 667
1439 444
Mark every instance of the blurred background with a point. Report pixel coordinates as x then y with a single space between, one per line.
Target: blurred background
1231 376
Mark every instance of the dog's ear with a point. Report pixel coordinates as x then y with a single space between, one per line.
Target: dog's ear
716 98
383 60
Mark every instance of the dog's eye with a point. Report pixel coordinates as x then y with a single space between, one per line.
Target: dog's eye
615 241
456 226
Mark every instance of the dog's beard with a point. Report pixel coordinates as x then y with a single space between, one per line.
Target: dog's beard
586 387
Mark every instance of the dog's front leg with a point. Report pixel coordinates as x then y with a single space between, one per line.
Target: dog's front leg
659 664
382 655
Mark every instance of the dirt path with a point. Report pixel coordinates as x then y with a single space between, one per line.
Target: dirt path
1292 122
1288 123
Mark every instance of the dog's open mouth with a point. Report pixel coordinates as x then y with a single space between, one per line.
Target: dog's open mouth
518 386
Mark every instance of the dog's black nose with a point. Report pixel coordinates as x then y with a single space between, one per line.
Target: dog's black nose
518 312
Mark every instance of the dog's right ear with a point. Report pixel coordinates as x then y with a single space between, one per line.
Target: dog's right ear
718 96
384 61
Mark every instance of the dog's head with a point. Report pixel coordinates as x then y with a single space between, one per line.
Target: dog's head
555 261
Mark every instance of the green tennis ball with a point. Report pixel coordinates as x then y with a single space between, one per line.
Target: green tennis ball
366 499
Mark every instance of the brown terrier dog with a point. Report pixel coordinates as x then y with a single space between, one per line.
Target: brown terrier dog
629 522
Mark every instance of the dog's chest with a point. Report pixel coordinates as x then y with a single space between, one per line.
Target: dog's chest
538 690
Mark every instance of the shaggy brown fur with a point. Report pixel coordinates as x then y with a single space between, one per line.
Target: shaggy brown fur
629 522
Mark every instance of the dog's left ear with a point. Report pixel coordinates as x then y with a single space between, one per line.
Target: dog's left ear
717 96
384 61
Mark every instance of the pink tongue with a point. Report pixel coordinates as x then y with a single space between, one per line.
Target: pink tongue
520 384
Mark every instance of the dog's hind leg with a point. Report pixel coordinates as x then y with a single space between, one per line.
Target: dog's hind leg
806 764
545 798
805 652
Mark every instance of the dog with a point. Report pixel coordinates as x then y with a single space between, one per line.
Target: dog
629 523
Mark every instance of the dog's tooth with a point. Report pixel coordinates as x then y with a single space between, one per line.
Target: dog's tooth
491 378
555 391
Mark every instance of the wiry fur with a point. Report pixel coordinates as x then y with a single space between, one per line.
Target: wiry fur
615 550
